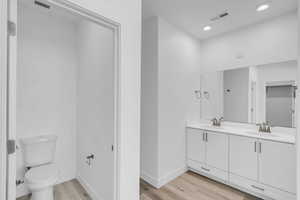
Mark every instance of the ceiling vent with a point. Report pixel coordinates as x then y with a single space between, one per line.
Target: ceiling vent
219 16
38 3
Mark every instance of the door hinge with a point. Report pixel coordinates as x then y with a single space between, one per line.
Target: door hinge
11 146
11 28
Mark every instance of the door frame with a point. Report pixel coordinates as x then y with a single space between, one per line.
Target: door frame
96 18
3 96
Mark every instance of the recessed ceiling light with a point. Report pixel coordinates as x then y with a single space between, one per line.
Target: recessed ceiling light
262 7
207 28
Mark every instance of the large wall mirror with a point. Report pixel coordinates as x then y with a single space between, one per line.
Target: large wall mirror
253 94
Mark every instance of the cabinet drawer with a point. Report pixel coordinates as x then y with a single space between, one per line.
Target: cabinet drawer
208 171
220 174
258 189
247 185
278 194
198 166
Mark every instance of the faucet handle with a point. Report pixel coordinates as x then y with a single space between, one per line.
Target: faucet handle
260 125
268 127
214 121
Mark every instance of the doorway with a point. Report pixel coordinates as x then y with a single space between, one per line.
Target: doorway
64 83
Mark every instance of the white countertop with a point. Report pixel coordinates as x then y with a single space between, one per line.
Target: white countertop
278 135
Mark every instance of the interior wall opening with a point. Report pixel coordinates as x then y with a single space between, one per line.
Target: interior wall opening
66 87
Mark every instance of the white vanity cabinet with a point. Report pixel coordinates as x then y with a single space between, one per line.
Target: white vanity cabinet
196 145
277 165
243 157
207 152
262 167
217 150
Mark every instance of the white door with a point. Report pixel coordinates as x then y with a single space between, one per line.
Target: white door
277 165
243 157
196 145
217 150
12 66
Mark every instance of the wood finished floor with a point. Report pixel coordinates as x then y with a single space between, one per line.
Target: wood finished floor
191 186
71 190
188 186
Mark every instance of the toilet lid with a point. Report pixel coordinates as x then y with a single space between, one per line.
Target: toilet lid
46 173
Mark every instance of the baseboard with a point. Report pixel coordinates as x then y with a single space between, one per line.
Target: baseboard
149 179
171 176
88 188
159 182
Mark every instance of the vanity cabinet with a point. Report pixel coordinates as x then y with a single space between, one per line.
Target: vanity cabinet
264 168
196 145
277 165
266 162
243 157
207 152
217 150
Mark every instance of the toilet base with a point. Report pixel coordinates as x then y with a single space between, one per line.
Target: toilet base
43 194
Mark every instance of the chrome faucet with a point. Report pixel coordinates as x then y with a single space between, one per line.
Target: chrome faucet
264 127
217 122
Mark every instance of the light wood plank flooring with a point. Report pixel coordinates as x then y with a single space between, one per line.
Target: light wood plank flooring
71 190
189 186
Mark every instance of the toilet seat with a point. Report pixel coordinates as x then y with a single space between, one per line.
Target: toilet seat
42 176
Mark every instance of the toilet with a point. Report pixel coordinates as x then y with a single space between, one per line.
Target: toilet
39 159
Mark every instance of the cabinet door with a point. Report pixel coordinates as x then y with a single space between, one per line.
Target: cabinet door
217 150
195 145
277 165
243 157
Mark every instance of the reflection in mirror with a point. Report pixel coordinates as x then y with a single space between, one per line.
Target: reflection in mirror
255 94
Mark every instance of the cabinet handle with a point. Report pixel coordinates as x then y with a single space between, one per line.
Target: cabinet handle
258 188
203 136
206 138
259 147
255 144
205 169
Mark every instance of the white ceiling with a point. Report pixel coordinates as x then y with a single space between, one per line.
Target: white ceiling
193 15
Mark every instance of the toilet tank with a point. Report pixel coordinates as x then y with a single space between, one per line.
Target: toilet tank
39 150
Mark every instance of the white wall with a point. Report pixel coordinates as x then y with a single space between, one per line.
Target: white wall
212 103
46 86
149 98
174 65
269 42
95 117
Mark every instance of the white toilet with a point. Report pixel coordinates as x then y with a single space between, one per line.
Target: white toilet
39 156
